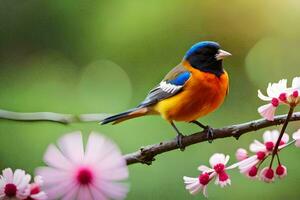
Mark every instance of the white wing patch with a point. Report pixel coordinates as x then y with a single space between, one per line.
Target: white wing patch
168 87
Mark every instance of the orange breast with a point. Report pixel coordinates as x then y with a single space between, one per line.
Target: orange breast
202 94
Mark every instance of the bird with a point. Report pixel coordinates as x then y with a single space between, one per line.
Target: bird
194 88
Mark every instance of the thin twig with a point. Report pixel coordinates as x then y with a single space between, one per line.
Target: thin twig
286 122
50 116
147 154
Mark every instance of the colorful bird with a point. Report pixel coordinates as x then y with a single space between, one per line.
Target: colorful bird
193 89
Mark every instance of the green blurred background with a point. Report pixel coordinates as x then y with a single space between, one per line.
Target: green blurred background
103 56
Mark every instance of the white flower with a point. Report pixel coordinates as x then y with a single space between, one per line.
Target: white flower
270 138
14 185
218 171
248 166
274 90
195 185
279 93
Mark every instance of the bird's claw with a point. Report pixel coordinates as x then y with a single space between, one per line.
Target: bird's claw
209 133
179 138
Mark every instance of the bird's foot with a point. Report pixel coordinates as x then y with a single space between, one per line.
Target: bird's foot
209 133
179 138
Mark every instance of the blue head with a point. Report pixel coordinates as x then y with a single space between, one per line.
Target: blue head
206 56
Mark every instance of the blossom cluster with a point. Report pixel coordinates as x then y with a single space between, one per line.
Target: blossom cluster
279 94
95 172
16 185
217 171
273 142
250 166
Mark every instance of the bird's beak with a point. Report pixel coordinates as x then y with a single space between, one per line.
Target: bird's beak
222 54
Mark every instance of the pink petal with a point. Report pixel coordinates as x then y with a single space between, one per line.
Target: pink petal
297 143
222 183
8 175
246 164
267 111
18 176
241 154
285 138
71 146
274 136
296 83
98 195
104 153
204 168
267 136
38 180
24 183
54 158
270 90
216 159
257 146
192 186
296 135
2 183
112 190
95 148
72 194
204 191
52 176
112 160
226 159
120 173
263 97
84 193
39 196
188 180
196 189
61 189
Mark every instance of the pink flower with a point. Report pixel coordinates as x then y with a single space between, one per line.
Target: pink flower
270 138
267 175
194 185
35 190
249 166
279 93
93 174
241 154
274 92
293 94
296 136
281 171
218 171
14 185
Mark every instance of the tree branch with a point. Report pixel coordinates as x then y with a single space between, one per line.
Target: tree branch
147 154
51 116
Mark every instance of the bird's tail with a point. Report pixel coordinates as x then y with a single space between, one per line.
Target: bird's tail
129 114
